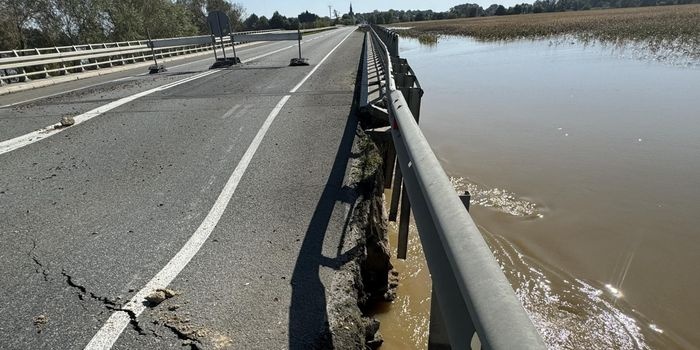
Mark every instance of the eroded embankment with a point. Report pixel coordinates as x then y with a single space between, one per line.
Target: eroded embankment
365 279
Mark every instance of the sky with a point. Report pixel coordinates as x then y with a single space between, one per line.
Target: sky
293 8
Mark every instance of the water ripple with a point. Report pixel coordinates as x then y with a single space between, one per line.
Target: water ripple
496 198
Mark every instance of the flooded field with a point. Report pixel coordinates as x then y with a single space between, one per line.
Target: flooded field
584 165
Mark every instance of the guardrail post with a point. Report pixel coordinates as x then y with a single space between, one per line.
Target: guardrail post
437 334
63 63
395 194
405 83
398 178
404 224
80 67
109 58
97 63
465 198
438 337
122 57
389 163
46 73
131 56
21 70
437 330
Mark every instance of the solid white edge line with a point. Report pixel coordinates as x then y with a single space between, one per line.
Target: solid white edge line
295 88
117 322
112 329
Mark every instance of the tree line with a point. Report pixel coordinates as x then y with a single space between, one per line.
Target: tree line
539 6
46 23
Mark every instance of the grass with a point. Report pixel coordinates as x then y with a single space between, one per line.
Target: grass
428 39
662 24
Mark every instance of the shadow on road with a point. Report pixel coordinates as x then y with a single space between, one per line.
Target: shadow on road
308 319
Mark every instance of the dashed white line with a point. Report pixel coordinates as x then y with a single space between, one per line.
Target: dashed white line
231 111
117 322
146 73
38 135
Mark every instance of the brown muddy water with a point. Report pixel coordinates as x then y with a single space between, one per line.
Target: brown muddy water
584 167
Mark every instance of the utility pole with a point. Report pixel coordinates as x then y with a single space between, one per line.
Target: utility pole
329 12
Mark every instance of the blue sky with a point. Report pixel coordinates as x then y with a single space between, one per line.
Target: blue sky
293 8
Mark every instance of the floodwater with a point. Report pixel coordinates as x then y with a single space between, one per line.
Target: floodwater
584 166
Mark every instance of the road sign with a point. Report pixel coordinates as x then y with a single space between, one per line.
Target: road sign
219 23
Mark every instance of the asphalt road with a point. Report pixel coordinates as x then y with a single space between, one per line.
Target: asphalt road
226 188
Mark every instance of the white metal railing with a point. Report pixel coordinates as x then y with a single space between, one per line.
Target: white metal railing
23 65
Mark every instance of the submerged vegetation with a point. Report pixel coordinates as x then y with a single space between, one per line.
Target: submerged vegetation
677 26
428 39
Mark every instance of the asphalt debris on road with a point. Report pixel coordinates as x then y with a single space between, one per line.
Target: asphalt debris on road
39 322
67 121
159 296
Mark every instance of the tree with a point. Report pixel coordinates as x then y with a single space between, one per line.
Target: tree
82 20
17 14
307 17
263 23
251 22
467 10
278 21
196 12
234 11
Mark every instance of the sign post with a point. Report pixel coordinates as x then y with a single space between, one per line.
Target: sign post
299 61
220 26
155 67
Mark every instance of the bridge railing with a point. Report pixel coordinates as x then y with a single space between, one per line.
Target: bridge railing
23 65
471 298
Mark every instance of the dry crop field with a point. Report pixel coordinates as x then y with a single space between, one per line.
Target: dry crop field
651 24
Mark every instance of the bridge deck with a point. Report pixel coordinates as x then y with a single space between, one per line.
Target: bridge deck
90 215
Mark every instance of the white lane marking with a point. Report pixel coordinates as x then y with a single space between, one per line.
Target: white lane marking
112 329
241 112
294 89
117 322
27 139
231 111
267 54
38 135
137 75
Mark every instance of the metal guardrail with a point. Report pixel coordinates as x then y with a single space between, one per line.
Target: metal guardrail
471 295
23 65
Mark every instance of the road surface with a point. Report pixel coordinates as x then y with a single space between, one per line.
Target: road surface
222 185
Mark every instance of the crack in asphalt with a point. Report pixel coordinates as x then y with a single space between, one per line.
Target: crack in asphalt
39 267
190 337
110 304
106 302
